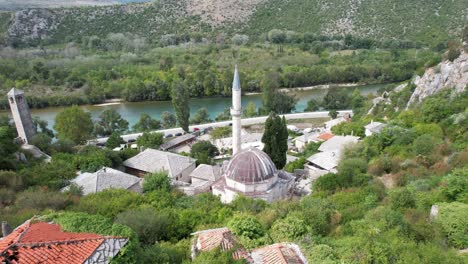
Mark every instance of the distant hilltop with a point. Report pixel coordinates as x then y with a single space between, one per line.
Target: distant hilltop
9 5
428 22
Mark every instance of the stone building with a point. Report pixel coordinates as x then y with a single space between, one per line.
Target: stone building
253 174
177 166
21 115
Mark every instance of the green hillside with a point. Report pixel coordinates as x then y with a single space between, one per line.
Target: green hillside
416 20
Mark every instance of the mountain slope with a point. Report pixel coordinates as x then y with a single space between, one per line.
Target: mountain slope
417 20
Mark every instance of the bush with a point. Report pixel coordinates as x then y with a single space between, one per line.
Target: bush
453 217
109 203
157 181
402 199
246 226
455 185
425 144
42 199
150 225
290 228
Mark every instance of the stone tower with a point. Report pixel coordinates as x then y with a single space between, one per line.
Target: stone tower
21 115
236 111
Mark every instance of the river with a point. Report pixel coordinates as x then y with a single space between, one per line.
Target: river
131 111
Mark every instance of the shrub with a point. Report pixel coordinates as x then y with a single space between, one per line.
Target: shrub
109 203
157 181
42 199
246 226
455 185
423 145
150 225
402 199
290 228
453 217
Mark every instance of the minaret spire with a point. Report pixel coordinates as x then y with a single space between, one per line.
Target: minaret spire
236 111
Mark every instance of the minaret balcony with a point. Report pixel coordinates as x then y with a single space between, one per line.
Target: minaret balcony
235 112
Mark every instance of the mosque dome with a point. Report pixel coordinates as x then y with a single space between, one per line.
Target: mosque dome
250 166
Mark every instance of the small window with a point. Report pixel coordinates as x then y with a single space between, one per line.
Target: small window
12 101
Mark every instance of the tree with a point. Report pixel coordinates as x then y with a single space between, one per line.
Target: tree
158 181
110 121
150 225
41 126
180 102
453 219
250 110
402 199
246 226
203 151
225 115
275 139
114 140
291 228
333 114
42 141
168 120
336 99
7 146
147 123
357 101
312 105
201 116
274 100
74 124
150 140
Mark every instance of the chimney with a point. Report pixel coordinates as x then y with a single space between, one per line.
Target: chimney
6 229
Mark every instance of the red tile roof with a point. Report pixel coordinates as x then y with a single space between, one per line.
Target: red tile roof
46 243
220 237
326 136
281 253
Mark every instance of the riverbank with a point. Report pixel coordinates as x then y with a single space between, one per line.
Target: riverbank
111 102
315 87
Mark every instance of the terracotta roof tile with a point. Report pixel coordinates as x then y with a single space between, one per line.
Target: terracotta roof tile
46 243
282 253
325 136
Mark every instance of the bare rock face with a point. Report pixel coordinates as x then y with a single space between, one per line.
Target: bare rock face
446 75
32 24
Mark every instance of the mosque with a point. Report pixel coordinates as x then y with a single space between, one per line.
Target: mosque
250 172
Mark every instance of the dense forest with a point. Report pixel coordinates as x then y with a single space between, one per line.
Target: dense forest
130 67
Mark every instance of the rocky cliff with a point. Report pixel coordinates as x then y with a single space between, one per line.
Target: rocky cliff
427 22
446 75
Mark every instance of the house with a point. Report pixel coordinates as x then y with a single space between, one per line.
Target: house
222 238
336 121
247 140
330 153
302 141
40 242
106 178
374 128
201 179
280 253
178 142
177 166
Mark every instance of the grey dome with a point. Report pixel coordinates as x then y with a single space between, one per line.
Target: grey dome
250 166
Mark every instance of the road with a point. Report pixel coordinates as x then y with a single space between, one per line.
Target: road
245 122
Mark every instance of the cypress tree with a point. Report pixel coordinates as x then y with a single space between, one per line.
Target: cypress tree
180 102
275 139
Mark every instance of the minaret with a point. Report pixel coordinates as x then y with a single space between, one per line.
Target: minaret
236 111
21 115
